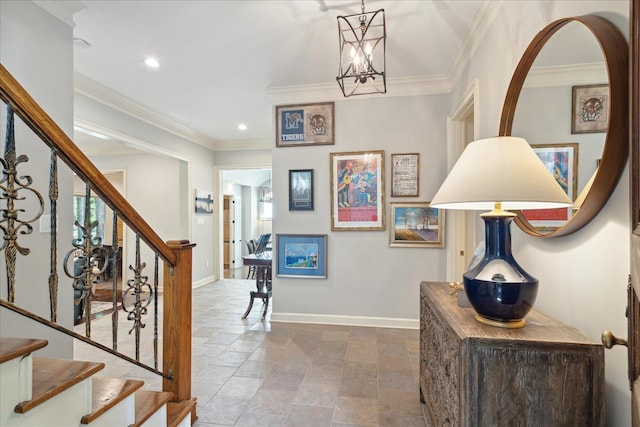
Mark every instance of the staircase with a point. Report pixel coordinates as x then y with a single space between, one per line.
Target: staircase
37 391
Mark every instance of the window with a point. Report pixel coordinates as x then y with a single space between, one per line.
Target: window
96 213
265 208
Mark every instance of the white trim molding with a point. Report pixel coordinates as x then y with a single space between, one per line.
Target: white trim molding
407 86
89 87
330 319
63 10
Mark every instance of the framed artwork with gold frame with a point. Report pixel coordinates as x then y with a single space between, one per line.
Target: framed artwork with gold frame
357 191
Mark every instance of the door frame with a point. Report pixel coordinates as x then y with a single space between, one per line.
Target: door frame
218 224
461 224
633 308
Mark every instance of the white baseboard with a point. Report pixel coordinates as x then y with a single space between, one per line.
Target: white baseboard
328 319
204 281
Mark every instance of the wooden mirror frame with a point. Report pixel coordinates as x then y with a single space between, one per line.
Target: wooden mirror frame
616 147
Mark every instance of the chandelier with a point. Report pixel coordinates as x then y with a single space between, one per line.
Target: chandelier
362 53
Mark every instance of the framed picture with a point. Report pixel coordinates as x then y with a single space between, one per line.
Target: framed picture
357 191
301 190
405 174
305 124
204 202
302 255
561 160
590 108
416 225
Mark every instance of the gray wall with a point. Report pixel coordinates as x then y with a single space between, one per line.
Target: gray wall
366 277
30 37
583 276
190 168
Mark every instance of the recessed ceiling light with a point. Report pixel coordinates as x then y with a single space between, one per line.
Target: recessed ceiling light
151 62
242 126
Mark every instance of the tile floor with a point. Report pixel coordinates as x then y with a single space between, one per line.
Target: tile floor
258 373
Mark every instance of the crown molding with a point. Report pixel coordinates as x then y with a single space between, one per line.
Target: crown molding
487 13
244 144
567 75
89 87
408 86
64 11
128 141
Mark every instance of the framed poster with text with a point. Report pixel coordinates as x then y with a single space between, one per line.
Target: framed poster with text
357 191
405 175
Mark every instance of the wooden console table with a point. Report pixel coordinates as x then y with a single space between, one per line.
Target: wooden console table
471 374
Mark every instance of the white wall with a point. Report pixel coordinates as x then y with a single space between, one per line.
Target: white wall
583 276
159 204
191 168
365 277
29 38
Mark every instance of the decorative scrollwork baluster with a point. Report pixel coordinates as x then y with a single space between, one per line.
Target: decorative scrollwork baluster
14 188
136 288
88 253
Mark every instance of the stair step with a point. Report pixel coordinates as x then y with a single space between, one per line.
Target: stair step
148 402
107 393
12 348
53 376
176 411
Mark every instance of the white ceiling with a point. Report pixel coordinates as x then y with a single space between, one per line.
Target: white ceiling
221 61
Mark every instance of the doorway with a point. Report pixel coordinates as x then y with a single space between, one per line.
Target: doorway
239 193
462 128
232 232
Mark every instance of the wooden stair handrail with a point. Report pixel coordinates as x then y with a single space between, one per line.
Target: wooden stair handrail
39 121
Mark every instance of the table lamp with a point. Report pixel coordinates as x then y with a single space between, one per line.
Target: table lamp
496 174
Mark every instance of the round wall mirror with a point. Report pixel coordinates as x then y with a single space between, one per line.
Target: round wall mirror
571 93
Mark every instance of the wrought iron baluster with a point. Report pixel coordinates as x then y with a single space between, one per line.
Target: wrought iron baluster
155 313
11 223
86 290
53 272
114 277
87 250
136 287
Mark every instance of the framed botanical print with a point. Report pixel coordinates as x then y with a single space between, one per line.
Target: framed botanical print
357 190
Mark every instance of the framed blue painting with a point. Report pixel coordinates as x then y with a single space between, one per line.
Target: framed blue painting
302 255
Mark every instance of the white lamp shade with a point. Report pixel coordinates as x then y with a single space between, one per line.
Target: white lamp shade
501 169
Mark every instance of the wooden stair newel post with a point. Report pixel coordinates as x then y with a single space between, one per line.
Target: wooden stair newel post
176 345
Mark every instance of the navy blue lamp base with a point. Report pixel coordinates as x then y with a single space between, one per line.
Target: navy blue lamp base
499 290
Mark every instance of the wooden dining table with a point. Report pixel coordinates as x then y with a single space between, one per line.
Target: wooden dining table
262 263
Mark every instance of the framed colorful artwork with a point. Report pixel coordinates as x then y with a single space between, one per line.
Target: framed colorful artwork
305 124
301 190
405 174
357 191
561 160
302 255
590 108
416 225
